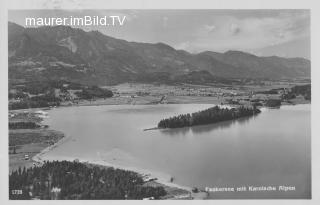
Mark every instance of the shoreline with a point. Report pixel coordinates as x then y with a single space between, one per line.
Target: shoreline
37 158
103 102
161 178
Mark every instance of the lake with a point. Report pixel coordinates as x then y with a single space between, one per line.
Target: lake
270 149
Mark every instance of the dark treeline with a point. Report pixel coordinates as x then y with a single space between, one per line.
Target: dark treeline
94 92
76 180
34 102
273 103
304 90
45 99
23 125
208 116
17 95
25 104
269 92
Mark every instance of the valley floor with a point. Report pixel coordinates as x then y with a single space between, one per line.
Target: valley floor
141 94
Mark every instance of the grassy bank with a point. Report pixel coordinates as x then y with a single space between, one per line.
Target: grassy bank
24 144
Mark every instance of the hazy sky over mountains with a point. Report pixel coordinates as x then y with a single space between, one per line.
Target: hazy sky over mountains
284 33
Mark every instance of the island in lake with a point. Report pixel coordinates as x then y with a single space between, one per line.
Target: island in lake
211 115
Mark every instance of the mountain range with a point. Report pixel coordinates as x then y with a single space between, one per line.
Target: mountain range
62 52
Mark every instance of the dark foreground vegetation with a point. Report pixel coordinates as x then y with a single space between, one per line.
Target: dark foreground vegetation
208 116
74 180
39 94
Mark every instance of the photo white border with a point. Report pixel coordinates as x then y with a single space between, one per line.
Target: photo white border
313 5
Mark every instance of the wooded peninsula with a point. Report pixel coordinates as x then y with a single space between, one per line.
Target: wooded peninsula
76 181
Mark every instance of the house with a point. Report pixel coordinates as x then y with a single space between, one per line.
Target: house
55 193
148 198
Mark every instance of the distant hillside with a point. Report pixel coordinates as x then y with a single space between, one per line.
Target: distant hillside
269 67
65 53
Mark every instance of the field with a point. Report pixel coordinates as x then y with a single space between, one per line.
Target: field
29 142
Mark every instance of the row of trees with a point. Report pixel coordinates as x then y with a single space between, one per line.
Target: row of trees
76 180
23 125
208 116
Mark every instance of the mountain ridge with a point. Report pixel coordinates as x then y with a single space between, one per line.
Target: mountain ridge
63 52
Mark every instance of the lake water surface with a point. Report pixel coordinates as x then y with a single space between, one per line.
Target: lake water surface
270 149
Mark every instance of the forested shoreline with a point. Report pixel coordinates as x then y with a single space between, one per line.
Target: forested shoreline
211 115
74 180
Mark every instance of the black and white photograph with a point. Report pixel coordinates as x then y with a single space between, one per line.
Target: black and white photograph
158 104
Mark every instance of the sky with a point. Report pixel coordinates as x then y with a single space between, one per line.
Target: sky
284 33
